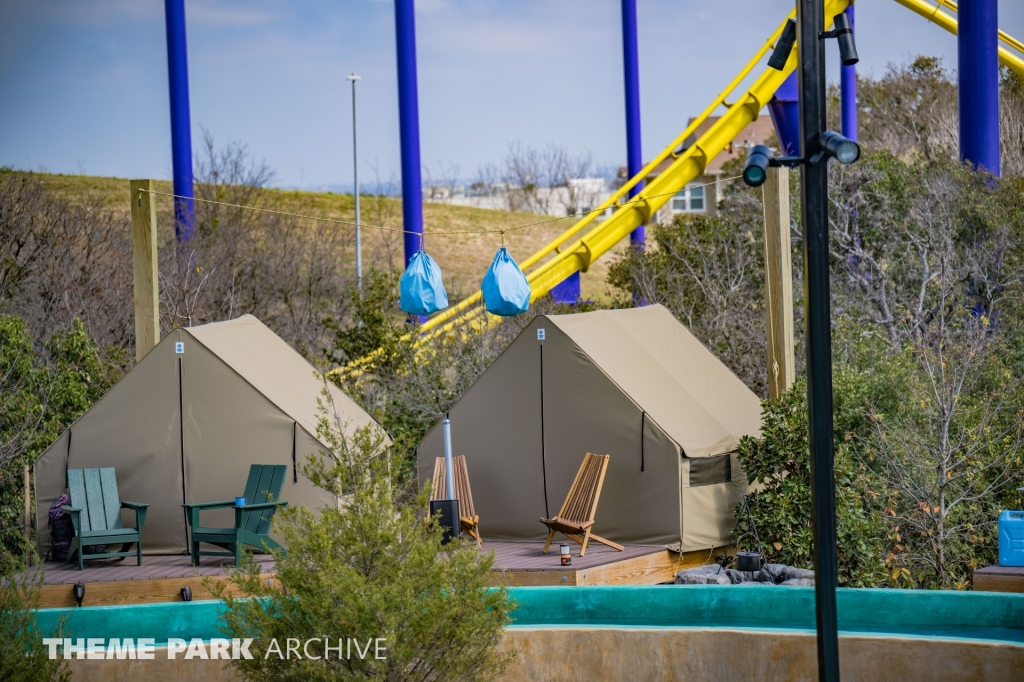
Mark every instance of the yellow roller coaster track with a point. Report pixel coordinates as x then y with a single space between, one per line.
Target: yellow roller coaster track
569 253
933 12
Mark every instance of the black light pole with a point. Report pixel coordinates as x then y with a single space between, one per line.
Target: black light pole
814 197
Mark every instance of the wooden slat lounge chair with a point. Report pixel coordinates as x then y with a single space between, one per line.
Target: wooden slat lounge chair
468 519
576 516
252 521
96 515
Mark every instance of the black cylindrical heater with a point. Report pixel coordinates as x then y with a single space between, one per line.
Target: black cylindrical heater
449 510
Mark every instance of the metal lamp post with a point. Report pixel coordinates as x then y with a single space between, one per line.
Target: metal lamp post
814 198
355 180
816 146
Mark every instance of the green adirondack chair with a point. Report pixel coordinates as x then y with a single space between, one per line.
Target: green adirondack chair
252 521
96 515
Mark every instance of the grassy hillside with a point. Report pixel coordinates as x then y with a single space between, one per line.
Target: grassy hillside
463 258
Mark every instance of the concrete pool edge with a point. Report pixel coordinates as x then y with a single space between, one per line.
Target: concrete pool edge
875 613
667 653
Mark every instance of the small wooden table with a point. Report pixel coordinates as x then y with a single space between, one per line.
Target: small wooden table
999 579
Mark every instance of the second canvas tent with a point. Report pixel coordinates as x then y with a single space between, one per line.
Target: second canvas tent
634 384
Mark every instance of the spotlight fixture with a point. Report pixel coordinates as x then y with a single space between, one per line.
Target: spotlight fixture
760 159
79 592
843 33
780 55
755 171
186 593
845 150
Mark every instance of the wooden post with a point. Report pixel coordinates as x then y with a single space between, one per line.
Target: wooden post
144 264
28 512
778 284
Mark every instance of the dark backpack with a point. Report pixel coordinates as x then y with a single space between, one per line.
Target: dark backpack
61 529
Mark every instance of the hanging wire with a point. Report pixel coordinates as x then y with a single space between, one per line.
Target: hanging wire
636 200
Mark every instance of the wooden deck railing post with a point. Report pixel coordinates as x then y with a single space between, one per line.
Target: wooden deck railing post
778 285
144 265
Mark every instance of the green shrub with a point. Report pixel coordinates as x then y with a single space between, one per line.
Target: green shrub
779 462
370 568
42 391
24 658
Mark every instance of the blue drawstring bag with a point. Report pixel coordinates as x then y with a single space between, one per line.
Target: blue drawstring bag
506 291
422 290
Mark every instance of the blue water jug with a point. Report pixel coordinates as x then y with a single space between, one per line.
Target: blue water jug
1011 538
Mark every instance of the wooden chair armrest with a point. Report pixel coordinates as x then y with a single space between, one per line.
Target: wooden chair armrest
134 505
71 510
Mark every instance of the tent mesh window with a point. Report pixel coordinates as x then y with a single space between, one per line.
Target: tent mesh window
710 470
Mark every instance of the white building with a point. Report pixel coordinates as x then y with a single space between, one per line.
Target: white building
575 197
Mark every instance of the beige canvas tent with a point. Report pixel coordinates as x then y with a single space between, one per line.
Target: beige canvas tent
186 422
634 384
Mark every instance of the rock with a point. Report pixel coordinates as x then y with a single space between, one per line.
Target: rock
773 573
793 573
770 574
702 575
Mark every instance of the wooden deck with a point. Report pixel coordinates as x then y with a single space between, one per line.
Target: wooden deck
999 579
524 563
160 578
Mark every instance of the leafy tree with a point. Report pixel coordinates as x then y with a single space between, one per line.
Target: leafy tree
377 330
369 568
778 463
945 458
709 272
410 382
22 422
40 396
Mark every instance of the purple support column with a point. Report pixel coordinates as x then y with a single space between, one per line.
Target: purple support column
978 69
181 125
409 127
848 91
631 69
568 290
784 109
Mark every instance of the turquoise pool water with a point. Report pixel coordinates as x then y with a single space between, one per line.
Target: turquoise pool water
992 616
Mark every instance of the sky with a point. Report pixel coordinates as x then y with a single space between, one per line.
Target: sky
83 83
